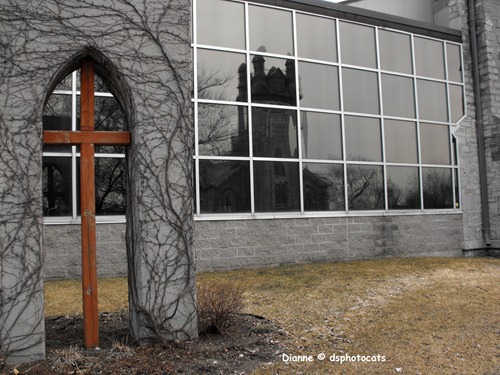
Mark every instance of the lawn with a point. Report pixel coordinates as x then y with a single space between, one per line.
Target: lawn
413 315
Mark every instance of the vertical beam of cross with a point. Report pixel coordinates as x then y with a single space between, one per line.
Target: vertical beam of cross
87 209
86 138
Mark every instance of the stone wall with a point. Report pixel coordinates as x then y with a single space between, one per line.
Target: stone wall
255 243
62 251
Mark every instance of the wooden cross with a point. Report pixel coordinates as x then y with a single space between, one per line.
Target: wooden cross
86 138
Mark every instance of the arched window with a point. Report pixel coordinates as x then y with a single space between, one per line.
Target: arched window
61 175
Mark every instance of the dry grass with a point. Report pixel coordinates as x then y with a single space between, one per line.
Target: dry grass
425 315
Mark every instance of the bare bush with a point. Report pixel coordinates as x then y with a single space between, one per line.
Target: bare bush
219 303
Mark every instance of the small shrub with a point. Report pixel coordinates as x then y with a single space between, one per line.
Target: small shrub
219 303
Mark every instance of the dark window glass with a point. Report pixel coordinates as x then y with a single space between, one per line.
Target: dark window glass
224 186
321 136
457 190
108 116
357 45
57 116
400 141
270 30
110 186
276 186
57 198
360 90
66 83
312 33
434 144
432 103
429 58
273 81
438 188
323 187
398 96
453 57
274 132
221 23
363 139
319 86
395 51
454 149
365 187
100 85
219 75
403 188
222 130
456 103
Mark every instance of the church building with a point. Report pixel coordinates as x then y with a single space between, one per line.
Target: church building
232 133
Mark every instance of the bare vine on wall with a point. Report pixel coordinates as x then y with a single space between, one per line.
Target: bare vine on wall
142 50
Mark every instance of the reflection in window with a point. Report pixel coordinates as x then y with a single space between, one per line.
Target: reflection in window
221 23
360 89
457 105
438 188
432 104
219 75
273 81
274 129
453 57
224 186
363 139
110 186
276 192
395 51
312 32
398 96
357 45
321 136
56 186
319 86
270 30
222 130
365 187
403 188
323 187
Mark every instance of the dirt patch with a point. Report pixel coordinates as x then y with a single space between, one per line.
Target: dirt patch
252 342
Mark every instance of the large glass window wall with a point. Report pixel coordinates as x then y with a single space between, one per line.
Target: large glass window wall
302 114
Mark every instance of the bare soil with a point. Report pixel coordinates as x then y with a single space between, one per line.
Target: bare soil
252 342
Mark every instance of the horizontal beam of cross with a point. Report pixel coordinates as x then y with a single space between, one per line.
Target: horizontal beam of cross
108 138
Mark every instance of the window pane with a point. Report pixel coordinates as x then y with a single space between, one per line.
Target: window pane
395 51
432 103
403 188
274 132
456 103
357 45
321 136
438 189
311 35
100 84
363 139
365 187
398 95
57 116
66 83
323 187
360 90
224 186
429 58
319 86
221 23
57 197
270 30
218 75
435 144
453 57
276 186
400 141
222 130
110 186
273 81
